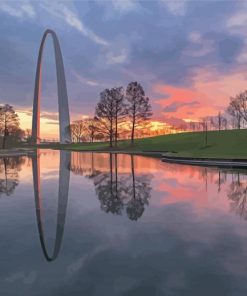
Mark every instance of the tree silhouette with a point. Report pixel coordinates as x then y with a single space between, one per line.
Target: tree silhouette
119 108
9 122
77 129
105 113
238 107
138 108
91 128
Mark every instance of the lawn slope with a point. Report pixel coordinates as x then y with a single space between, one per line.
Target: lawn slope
221 144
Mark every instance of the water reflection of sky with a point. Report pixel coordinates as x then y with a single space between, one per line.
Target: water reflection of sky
180 230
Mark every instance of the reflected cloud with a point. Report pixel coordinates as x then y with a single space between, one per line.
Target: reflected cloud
181 239
123 189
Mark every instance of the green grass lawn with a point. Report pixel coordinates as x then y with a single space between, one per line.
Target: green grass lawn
223 144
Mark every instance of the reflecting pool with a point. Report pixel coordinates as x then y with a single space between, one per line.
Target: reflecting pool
114 224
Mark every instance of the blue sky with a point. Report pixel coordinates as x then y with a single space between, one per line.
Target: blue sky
182 52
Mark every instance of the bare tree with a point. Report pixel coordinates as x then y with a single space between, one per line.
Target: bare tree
236 117
204 125
9 122
139 108
99 136
224 123
238 107
218 122
105 114
91 128
77 127
119 108
192 125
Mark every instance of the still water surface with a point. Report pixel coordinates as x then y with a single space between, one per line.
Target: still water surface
101 224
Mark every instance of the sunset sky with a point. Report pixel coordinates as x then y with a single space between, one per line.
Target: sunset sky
190 56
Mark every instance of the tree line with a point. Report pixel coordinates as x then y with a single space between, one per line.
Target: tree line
119 112
233 117
123 114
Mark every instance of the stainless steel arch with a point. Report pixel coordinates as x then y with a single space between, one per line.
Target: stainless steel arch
64 176
63 107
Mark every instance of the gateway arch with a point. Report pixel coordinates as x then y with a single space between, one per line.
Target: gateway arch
63 107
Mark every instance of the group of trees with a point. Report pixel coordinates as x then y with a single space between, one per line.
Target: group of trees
117 113
235 114
234 117
235 188
218 122
85 130
123 114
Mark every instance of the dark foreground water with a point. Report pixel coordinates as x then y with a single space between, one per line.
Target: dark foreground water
100 224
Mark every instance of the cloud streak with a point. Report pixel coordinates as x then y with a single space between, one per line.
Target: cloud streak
71 18
85 80
19 10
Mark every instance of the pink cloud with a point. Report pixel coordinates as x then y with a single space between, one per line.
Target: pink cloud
208 95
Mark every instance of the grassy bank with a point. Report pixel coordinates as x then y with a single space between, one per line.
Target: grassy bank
223 144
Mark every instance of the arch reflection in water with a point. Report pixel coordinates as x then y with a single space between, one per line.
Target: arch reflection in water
64 176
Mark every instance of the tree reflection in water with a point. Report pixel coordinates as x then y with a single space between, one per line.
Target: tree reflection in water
236 189
118 192
237 193
140 192
110 189
9 174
